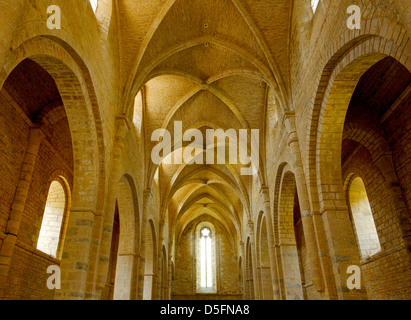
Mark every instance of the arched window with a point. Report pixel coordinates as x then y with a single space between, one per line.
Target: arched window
51 234
205 249
138 111
314 5
362 218
206 261
94 4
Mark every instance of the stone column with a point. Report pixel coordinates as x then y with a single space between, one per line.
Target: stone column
170 270
122 127
253 246
306 218
243 269
146 206
160 285
404 9
271 249
75 263
19 203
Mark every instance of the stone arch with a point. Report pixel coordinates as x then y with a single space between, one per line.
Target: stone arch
366 48
79 100
80 105
336 86
256 160
290 271
163 275
375 143
331 126
137 81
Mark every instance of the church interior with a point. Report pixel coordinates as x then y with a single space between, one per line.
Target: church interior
307 195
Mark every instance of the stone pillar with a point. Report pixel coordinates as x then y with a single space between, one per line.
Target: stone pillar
253 246
271 249
19 203
306 218
279 270
153 279
258 272
243 269
160 285
404 9
329 282
123 281
75 263
122 128
170 270
146 206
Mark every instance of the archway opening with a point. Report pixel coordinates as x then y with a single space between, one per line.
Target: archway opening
292 274
360 127
37 152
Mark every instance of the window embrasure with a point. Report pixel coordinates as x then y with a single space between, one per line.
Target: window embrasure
51 236
363 221
206 259
314 5
94 4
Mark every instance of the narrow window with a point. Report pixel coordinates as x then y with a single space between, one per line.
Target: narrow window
363 220
314 5
206 258
206 273
94 4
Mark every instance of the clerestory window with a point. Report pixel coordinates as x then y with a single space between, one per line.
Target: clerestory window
205 248
94 4
314 5
206 258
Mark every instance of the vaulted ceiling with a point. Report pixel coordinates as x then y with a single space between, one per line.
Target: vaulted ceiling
210 64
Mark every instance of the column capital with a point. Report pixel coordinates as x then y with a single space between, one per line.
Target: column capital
147 196
251 226
265 192
289 121
122 126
